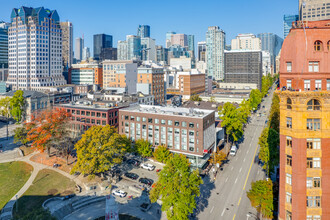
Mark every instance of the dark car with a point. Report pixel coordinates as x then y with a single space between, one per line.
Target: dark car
68 197
146 181
132 176
133 162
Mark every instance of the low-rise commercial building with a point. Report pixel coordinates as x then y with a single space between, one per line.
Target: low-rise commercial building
186 131
86 73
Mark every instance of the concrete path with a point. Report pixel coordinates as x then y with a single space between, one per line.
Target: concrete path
8 208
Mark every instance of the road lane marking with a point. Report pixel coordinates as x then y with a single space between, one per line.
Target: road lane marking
234 216
212 209
248 150
226 179
236 159
232 168
244 159
223 211
247 177
239 201
240 169
236 180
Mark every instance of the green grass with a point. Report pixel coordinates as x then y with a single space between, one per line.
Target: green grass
13 176
47 184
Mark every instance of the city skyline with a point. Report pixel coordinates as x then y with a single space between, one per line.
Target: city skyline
119 26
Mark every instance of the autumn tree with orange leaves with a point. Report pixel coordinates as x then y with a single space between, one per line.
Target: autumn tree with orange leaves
47 129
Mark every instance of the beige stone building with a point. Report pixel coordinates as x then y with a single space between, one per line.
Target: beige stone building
246 42
314 10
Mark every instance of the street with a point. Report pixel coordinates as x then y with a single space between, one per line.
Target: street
228 198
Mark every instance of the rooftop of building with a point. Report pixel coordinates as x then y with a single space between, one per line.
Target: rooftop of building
118 61
175 111
212 106
27 94
324 24
94 105
242 51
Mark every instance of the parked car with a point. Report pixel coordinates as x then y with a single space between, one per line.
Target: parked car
146 181
119 193
132 176
133 162
233 150
68 197
147 166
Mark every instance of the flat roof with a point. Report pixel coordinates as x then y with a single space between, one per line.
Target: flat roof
175 111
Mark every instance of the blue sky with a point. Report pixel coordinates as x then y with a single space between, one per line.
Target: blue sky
121 17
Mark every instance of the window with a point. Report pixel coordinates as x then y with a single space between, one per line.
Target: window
289 67
328 84
191 125
149 120
289 160
318 84
288 141
78 112
104 115
93 114
328 45
176 123
288 179
313 217
288 103
313 201
307 84
288 198
144 119
184 124
313 124
313 162
138 118
289 122
313 104
162 121
289 83
288 215
318 45
169 122
313 66
156 121
313 143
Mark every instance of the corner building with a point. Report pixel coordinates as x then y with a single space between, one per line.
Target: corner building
305 122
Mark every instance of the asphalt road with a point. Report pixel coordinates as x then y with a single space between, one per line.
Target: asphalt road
227 196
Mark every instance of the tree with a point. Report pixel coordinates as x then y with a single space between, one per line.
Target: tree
20 135
212 99
5 106
274 115
162 154
230 119
244 111
195 98
264 149
17 105
99 149
255 98
177 188
143 148
217 158
261 197
273 143
48 128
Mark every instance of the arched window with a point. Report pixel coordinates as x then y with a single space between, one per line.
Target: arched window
288 103
328 45
318 45
313 104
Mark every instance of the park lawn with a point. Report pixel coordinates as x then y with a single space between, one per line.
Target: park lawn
47 184
13 176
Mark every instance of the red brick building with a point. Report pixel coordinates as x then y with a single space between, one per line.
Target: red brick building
305 122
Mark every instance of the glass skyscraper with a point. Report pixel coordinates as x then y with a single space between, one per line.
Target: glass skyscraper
3 45
215 47
288 19
143 31
191 43
133 47
101 41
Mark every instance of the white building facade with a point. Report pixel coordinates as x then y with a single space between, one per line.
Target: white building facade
35 49
246 42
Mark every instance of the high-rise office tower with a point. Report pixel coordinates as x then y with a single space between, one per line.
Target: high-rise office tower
86 53
3 51
148 49
271 43
287 23
79 45
122 50
191 44
179 39
246 42
35 49
162 54
314 10
101 41
305 123
67 44
215 46
201 51
133 47
143 31
168 38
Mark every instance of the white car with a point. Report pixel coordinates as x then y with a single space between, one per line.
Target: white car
233 150
147 166
119 193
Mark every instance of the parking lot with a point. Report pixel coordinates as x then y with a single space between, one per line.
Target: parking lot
134 188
